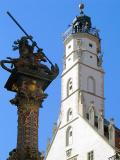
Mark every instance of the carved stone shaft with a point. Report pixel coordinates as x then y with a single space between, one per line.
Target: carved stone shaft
27 128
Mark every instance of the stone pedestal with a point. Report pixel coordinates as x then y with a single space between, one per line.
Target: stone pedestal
28 100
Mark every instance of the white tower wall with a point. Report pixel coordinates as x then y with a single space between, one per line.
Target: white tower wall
82 100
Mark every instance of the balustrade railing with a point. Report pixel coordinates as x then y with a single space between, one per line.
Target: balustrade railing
71 30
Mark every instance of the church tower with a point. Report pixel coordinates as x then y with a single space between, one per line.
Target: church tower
83 76
82 132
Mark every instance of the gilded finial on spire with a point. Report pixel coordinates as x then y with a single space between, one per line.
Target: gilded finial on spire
81 6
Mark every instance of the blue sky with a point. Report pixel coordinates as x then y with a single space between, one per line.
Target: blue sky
46 21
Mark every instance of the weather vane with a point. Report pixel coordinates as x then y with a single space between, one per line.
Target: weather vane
81 6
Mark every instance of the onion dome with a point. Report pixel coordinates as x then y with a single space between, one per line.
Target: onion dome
82 23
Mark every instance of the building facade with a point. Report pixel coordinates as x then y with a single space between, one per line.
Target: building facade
82 132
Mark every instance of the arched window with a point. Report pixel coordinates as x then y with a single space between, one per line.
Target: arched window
69 136
69 115
91 86
69 86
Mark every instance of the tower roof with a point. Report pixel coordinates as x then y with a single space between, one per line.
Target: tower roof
81 24
82 21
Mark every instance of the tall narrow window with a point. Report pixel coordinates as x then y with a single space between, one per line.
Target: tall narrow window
91 84
69 136
69 87
69 115
90 155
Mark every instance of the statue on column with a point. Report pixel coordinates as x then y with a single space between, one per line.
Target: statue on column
30 76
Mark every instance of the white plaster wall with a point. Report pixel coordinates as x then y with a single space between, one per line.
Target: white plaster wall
89 54
85 139
72 47
98 96
87 41
69 61
85 44
70 102
69 47
86 72
89 59
72 73
84 56
85 68
57 150
98 103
